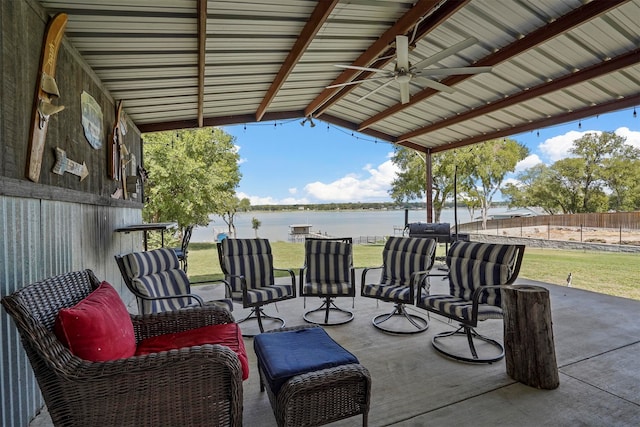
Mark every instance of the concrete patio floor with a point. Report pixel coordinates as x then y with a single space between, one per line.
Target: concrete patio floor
597 341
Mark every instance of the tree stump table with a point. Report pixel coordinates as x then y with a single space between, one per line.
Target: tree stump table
528 336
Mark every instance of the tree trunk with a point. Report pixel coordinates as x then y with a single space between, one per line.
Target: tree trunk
528 336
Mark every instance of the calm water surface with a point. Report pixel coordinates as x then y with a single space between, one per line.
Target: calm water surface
275 225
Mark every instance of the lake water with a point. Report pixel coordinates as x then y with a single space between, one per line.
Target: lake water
275 225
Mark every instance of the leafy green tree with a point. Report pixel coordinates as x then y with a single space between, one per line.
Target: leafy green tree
602 163
410 183
487 165
191 174
594 149
255 224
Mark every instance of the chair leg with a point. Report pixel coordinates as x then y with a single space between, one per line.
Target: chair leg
259 314
328 306
472 337
400 311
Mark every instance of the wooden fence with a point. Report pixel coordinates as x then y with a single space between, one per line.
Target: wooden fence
612 220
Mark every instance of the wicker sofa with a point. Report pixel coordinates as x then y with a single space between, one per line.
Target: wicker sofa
198 385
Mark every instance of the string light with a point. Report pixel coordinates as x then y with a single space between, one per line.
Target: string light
634 113
580 124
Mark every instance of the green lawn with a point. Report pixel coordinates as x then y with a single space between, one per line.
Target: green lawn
605 272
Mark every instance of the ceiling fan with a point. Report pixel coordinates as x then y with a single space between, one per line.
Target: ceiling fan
404 71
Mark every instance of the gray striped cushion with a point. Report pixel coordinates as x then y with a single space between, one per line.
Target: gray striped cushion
473 264
157 273
251 258
459 307
402 256
328 268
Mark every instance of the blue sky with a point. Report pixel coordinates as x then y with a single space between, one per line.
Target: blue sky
285 163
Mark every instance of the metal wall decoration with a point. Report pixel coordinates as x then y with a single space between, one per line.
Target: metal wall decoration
91 120
65 164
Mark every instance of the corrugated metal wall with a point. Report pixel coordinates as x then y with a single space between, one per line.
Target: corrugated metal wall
43 238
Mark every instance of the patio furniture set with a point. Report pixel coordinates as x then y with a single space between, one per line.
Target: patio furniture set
94 361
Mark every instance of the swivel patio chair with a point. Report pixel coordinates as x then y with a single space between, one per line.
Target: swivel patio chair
477 271
183 251
192 385
406 264
328 273
159 284
247 265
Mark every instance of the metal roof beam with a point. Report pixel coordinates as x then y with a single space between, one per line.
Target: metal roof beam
202 45
542 34
316 21
588 73
607 107
424 27
408 20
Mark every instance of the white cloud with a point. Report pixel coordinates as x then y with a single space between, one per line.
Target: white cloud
558 147
293 190
353 187
633 137
529 161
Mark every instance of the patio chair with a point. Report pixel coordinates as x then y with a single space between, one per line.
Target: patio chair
247 265
476 273
183 251
195 385
328 273
406 264
159 284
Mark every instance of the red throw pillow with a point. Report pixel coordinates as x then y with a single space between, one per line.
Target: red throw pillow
98 328
227 334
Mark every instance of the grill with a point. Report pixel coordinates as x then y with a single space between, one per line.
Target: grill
440 231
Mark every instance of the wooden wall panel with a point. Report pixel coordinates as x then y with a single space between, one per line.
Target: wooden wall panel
59 224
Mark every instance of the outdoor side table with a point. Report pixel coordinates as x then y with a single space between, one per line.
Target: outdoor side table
310 379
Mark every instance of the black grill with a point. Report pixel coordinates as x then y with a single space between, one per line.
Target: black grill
440 231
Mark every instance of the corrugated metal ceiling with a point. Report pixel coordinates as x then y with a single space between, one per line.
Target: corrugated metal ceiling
553 61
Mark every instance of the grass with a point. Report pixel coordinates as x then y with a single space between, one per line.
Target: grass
608 273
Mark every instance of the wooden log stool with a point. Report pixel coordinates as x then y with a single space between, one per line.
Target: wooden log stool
528 336
310 379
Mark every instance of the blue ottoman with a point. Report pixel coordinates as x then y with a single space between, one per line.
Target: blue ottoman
310 379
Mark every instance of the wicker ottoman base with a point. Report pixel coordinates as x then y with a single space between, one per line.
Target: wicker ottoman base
319 397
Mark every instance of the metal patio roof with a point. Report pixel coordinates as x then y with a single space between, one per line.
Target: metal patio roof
190 63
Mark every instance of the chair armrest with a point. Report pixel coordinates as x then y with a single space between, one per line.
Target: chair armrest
151 325
292 275
364 275
227 286
475 298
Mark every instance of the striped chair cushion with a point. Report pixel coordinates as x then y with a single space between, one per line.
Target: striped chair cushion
157 273
268 293
458 307
140 264
328 268
402 256
388 292
473 264
251 258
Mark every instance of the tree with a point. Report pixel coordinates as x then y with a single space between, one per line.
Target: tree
594 149
255 224
602 163
410 183
191 174
487 164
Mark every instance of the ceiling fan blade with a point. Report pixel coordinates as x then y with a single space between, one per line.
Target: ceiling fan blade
404 92
375 90
356 82
434 85
402 52
446 53
453 71
355 67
